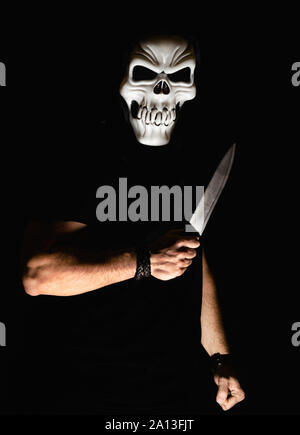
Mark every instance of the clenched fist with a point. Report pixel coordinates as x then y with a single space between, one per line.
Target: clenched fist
230 391
172 254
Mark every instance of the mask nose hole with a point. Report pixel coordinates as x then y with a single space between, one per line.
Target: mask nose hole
161 87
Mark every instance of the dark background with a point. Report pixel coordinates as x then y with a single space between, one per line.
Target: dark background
60 87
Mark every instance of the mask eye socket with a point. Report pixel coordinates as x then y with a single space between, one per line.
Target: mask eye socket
183 75
141 73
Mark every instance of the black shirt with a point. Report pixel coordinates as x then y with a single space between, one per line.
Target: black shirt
133 345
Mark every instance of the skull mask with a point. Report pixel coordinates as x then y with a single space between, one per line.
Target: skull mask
159 79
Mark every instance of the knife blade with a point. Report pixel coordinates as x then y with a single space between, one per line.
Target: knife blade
207 203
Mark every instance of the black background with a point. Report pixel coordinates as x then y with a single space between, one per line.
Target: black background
60 87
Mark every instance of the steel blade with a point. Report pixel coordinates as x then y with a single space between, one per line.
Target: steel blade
212 193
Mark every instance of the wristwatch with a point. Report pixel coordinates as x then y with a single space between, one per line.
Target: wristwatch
219 361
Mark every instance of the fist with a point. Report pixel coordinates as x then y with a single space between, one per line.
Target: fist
230 391
172 254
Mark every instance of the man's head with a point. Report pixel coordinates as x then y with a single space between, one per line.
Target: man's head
158 81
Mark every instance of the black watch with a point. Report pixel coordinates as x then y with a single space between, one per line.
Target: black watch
219 361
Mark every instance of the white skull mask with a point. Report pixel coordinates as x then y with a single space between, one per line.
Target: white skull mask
159 79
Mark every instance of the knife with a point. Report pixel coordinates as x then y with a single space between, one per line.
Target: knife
207 203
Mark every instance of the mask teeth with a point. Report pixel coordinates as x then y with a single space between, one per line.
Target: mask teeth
153 116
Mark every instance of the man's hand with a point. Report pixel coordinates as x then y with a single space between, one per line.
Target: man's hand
229 390
172 254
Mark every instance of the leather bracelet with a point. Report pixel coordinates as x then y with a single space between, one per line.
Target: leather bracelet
218 361
143 268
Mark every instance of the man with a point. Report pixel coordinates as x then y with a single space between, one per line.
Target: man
140 294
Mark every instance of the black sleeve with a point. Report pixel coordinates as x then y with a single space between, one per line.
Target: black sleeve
54 197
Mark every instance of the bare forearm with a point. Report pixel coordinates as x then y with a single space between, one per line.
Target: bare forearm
68 258
63 274
213 335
